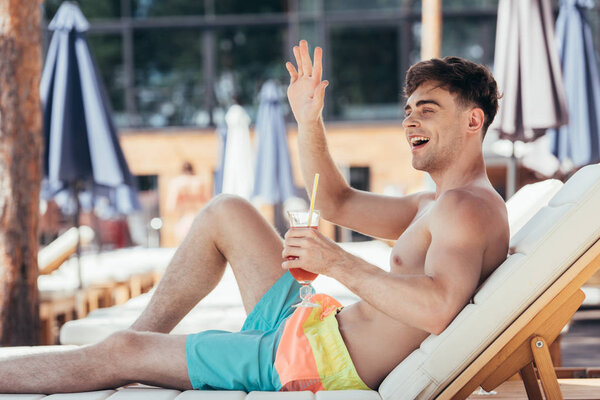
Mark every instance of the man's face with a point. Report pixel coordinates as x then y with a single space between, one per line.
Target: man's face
432 127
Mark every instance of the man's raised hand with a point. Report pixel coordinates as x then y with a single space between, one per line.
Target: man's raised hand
306 92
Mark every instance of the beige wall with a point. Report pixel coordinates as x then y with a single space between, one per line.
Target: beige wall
383 148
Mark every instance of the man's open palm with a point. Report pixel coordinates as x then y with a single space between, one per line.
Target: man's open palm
306 92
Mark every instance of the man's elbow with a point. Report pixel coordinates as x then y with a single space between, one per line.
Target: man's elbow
334 207
440 320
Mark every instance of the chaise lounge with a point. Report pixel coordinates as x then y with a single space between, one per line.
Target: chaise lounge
511 321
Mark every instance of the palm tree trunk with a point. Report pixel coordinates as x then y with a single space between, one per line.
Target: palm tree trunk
20 169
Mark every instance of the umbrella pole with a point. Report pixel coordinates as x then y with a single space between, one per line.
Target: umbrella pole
78 248
511 174
96 223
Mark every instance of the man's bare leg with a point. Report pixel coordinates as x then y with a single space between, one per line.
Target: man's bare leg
124 357
227 229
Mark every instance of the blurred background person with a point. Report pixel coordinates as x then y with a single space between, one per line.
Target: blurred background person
188 192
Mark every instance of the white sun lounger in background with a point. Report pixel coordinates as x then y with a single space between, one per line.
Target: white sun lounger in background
52 256
515 315
108 278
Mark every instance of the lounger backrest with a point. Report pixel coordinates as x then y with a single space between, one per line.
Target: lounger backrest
528 201
544 248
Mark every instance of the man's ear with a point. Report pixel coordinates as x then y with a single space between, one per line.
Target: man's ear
476 120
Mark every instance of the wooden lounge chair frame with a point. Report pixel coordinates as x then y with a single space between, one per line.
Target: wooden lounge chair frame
525 343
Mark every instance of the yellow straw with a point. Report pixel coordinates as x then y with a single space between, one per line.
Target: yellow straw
312 199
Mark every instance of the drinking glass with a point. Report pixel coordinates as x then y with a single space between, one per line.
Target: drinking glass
299 219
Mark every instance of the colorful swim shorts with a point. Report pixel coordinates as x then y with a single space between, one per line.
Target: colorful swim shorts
278 348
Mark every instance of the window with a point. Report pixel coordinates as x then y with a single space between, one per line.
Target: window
182 62
161 8
169 85
92 9
108 55
250 7
364 73
308 5
342 5
470 4
469 38
246 58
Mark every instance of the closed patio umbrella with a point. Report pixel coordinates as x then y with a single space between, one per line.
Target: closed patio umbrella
82 152
579 141
273 181
218 175
527 69
237 164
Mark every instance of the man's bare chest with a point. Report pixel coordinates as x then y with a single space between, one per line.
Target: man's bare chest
409 252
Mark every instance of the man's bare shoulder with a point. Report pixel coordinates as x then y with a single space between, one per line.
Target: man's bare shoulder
476 219
472 210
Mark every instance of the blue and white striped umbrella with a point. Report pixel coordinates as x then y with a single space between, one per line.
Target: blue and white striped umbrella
579 141
218 175
527 69
273 180
82 152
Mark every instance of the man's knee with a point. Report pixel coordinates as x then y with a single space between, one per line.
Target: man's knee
124 349
123 343
228 205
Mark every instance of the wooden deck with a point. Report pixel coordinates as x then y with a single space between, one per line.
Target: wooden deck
571 389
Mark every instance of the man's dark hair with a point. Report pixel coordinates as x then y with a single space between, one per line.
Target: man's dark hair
473 84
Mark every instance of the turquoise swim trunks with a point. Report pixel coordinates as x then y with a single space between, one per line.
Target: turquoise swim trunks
228 360
278 348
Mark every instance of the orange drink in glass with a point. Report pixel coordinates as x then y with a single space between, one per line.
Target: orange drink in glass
299 219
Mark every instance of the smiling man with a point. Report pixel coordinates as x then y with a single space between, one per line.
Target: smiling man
444 249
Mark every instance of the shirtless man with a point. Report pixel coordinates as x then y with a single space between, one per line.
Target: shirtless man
444 250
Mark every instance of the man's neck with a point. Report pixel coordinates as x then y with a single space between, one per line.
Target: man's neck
465 172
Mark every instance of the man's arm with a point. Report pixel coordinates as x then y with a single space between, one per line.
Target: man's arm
375 215
430 301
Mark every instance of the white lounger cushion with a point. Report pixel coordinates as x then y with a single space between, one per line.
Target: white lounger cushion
146 393
544 248
527 202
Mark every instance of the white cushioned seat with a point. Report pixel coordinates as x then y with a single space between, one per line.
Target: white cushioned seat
528 200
